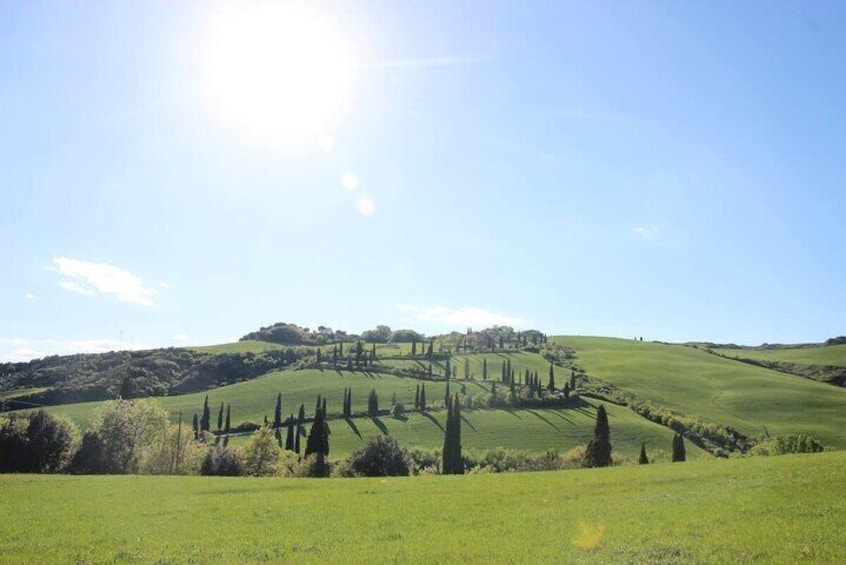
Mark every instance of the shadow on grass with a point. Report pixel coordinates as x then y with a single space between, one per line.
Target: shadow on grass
466 421
537 415
432 419
353 427
381 425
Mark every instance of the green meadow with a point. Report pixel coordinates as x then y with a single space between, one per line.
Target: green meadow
761 510
696 383
829 355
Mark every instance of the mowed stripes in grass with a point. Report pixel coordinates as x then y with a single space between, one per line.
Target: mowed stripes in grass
718 511
254 399
534 430
715 389
829 355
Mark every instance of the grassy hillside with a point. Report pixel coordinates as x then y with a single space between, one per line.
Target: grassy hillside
830 355
697 512
248 346
719 390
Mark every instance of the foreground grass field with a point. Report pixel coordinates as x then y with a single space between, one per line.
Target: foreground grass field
697 383
766 510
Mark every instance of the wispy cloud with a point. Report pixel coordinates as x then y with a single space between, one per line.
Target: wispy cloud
93 279
182 338
422 62
648 233
466 316
15 350
30 296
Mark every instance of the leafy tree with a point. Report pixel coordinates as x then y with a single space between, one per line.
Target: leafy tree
36 443
598 452
261 454
125 429
89 459
382 456
643 459
678 448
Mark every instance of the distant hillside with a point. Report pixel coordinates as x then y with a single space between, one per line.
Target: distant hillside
825 363
154 372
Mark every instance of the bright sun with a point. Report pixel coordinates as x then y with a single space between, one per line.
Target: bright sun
279 72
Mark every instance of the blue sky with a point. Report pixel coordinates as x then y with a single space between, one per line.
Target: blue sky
671 170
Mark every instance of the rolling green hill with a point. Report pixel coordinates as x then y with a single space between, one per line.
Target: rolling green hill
830 355
762 510
696 383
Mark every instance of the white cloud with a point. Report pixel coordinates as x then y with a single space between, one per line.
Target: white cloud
326 143
94 279
27 350
349 181
648 233
365 207
30 296
164 285
182 338
464 317
21 355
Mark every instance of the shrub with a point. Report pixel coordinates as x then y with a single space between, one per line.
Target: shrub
261 454
36 443
382 456
397 410
790 443
221 461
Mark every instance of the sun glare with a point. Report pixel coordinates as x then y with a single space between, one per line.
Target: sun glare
280 72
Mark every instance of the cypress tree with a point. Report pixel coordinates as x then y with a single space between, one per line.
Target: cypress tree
277 413
678 448
318 356
485 369
373 352
227 425
289 438
341 349
325 413
452 463
566 390
446 395
573 380
504 373
417 397
430 370
447 372
300 428
414 348
598 453
551 385
196 425
423 397
466 368
205 421
220 418
643 459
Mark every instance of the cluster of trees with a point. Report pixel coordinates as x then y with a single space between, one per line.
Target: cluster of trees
292 334
135 374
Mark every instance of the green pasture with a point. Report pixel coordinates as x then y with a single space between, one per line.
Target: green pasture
248 346
718 390
761 510
829 355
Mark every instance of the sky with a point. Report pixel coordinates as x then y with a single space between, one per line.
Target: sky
183 173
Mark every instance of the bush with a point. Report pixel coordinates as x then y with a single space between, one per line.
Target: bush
381 457
221 461
261 454
397 410
36 443
790 443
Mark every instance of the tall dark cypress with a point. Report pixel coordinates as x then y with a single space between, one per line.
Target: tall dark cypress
678 448
220 418
196 425
423 397
417 397
446 395
414 348
484 368
227 425
598 453
277 413
205 421
643 459
300 428
466 368
452 463
289 438
551 384
504 373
